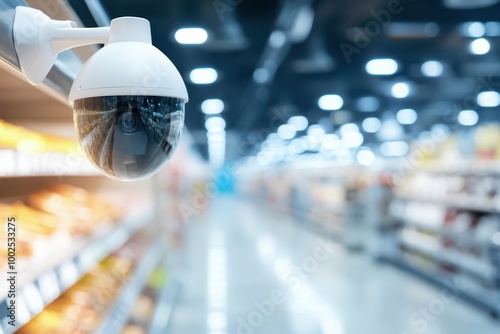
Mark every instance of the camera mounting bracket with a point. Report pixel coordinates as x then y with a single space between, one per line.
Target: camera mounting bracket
38 39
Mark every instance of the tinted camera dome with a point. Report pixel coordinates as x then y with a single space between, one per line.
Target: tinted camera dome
129 137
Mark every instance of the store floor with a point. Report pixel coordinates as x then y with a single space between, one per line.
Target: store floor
251 270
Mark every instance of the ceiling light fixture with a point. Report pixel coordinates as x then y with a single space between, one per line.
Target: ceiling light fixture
212 106
191 36
203 76
468 117
215 124
400 90
347 128
300 123
407 116
479 46
384 66
473 29
489 99
371 125
432 68
287 131
331 102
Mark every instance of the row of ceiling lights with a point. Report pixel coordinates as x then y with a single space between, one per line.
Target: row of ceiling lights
350 134
346 144
331 102
216 125
385 67
216 136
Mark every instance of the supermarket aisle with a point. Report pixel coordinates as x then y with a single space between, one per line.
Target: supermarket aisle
254 271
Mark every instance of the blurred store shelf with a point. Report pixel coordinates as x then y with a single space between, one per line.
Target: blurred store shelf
449 227
118 314
42 280
465 202
464 262
28 164
474 168
458 285
164 307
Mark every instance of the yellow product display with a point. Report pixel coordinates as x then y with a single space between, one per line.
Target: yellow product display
86 198
80 309
78 217
62 208
30 220
22 139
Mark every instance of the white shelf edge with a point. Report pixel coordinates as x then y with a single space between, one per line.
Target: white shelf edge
20 176
439 256
447 204
493 305
439 231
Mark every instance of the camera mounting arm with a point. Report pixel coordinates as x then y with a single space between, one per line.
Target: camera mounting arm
38 39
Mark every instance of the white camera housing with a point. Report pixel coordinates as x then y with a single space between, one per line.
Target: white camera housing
127 76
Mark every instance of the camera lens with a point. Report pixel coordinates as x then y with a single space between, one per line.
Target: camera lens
129 122
129 137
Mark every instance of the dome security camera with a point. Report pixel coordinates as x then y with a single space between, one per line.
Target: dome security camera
128 98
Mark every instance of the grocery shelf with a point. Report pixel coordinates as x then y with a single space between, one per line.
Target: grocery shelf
441 231
486 168
21 164
41 281
117 316
471 203
488 303
482 270
420 225
58 175
164 307
421 249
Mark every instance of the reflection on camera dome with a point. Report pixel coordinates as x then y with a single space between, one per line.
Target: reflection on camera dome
129 137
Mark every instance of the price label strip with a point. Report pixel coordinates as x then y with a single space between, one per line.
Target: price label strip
68 274
49 286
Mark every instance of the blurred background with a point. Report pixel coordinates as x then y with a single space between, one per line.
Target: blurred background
338 173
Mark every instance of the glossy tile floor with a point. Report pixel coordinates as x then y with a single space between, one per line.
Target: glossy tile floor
251 270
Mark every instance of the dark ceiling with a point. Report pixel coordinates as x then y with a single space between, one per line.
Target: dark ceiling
318 65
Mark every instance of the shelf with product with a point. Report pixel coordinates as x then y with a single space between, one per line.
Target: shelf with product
448 217
456 243
328 198
28 153
151 311
64 230
61 233
100 302
462 286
